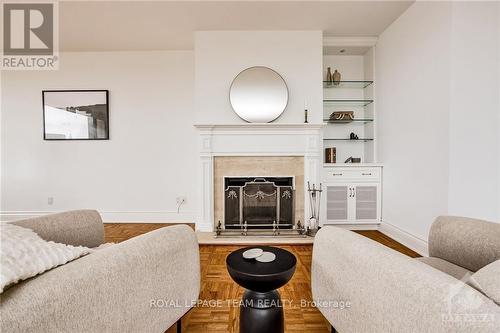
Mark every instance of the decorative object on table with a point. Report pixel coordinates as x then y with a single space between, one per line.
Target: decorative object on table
218 229
353 160
353 136
301 229
315 201
336 77
258 95
261 308
344 116
331 155
266 257
252 253
75 114
329 77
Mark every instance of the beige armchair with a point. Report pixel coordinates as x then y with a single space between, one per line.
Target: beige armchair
362 286
144 284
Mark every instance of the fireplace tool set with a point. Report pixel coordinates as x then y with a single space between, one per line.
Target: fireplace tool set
312 225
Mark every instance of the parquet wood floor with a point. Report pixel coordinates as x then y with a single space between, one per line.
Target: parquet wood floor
216 284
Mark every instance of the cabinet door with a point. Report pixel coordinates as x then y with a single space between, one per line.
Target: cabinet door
337 202
366 202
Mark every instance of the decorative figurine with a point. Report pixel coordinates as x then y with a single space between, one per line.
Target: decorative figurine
218 230
344 116
353 136
336 78
353 160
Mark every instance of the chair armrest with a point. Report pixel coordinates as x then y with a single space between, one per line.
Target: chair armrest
388 291
115 289
466 242
77 227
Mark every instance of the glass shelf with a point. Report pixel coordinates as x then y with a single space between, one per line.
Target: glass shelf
347 102
347 84
333 121
353 140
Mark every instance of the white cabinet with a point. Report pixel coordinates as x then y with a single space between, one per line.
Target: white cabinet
352 195
337 202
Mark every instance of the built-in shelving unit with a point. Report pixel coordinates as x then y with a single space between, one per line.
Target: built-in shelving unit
352 94
352 191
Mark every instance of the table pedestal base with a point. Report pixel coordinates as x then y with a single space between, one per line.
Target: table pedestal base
261 312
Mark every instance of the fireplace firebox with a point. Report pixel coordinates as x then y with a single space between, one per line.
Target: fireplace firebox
259 202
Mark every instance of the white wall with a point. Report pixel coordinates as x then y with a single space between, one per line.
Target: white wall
474 111
412 107
221 55
137 174
438 114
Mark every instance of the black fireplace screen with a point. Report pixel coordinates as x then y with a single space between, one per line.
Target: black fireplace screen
259 202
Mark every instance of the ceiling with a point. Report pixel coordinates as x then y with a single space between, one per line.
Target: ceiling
169 25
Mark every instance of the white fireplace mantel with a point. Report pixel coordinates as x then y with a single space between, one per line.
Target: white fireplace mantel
271 139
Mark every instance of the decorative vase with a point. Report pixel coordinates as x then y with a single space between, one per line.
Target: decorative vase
329 77
336 78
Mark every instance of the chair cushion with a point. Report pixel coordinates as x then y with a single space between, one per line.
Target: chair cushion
487 281
446 267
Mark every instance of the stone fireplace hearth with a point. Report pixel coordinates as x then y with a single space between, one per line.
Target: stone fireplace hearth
254 150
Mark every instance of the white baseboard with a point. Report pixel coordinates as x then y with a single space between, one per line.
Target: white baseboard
122 217
416 244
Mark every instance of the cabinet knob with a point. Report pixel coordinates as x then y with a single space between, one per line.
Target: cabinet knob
366 174
337 174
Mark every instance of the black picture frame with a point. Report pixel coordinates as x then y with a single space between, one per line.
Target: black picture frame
63 91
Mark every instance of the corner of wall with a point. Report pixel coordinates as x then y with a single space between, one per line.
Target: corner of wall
412 242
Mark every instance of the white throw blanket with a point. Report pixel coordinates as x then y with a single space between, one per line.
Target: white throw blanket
24 254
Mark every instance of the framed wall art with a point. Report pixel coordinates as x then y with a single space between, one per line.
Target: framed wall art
75 114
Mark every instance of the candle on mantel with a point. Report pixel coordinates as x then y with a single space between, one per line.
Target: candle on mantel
305 111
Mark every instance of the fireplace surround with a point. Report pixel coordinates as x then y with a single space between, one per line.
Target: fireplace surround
267 150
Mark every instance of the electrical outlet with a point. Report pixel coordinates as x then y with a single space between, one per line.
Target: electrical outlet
50 200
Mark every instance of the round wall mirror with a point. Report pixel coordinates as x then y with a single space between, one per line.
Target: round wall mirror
258 95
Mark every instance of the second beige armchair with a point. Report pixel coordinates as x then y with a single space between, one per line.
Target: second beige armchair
362 286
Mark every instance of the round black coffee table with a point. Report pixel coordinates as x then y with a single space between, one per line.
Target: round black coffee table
261 310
